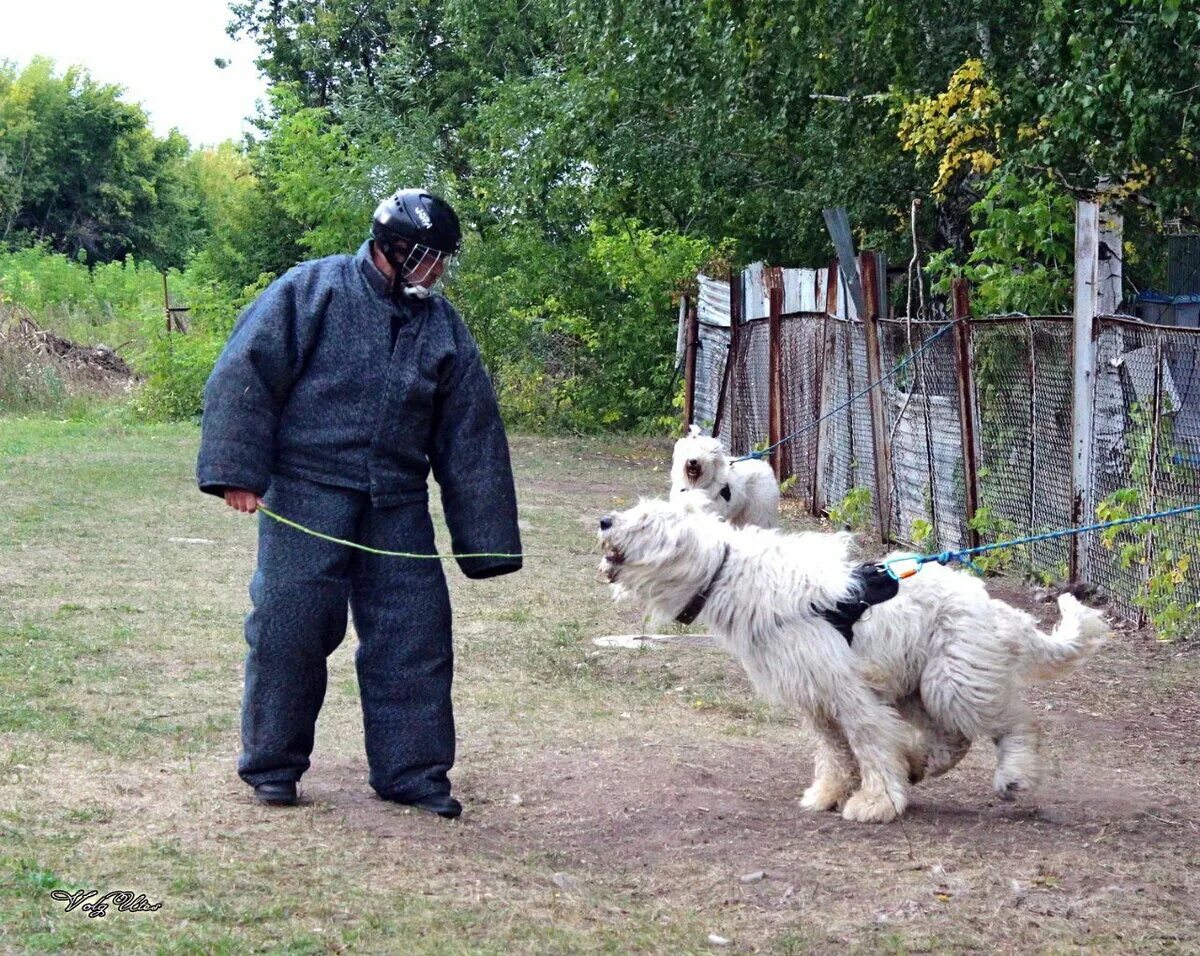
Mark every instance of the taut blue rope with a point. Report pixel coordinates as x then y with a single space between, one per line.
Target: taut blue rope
853 398
963 555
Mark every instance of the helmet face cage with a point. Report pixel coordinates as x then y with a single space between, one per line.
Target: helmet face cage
420 267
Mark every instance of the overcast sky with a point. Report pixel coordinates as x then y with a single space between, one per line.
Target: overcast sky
161 51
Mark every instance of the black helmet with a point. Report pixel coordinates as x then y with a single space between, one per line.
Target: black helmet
419 218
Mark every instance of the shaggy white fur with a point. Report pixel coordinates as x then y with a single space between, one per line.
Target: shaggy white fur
700 464
931 670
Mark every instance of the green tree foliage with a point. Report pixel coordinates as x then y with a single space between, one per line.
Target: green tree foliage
80 170
247 232
581 137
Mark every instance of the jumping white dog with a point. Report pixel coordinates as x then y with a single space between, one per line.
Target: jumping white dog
741 492
923 675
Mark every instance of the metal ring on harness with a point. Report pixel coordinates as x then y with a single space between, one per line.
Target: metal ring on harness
876 584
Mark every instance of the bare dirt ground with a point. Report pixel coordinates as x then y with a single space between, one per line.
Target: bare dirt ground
617 801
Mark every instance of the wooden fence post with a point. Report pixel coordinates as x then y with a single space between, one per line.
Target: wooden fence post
774 383
176 321
874 275
691 345
964 362
1097 292
725 399
831 305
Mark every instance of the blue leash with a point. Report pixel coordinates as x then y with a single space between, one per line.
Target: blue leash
911 563
853 398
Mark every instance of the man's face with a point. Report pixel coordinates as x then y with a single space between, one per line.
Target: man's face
423 266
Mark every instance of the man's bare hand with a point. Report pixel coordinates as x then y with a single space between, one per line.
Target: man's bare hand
244 501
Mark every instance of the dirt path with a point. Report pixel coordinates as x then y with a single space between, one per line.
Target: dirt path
1107 856
617 801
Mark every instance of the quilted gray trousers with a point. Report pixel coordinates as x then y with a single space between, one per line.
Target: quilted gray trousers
300 594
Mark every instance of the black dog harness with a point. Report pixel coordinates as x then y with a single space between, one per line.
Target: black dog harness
876 587
696 604
724 492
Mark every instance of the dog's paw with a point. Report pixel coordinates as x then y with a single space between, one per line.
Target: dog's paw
1017 776
917 762
823 795
1009 788
865 807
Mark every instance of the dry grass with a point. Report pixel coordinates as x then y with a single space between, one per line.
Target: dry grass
614 800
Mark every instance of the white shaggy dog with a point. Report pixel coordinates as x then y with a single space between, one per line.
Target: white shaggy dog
741 492
936 667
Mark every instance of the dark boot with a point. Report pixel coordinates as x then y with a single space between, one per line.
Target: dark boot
442 804
281 793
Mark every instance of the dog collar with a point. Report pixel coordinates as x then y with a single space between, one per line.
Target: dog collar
725 493
876 586
696 604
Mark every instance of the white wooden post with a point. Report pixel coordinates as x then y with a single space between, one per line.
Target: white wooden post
1097 292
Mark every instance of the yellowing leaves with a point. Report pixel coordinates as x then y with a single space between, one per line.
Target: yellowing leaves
955 125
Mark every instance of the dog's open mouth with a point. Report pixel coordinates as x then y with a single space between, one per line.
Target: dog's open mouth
613 559
693 471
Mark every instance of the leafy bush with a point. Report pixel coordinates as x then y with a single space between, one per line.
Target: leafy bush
579 333
176 368
854 512
107 303
1024 234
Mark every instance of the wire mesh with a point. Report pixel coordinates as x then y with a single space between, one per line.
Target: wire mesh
748 411
801 360
1022 374
921 412
847 462
1146 457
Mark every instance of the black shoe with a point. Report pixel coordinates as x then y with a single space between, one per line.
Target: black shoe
442 804
282 793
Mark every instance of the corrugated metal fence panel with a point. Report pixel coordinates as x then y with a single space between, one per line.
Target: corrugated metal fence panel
713 307
754 292
712 311
711 356
1183 265
800 290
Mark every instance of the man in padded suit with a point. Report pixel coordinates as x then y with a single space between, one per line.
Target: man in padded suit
341 386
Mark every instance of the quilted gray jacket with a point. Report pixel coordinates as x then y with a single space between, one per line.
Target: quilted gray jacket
310 386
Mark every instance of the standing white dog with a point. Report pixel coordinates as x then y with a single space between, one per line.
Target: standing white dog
927 672
741 492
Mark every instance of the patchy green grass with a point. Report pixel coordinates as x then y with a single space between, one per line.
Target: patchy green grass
614 800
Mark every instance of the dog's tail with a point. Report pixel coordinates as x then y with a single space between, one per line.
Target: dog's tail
1080 633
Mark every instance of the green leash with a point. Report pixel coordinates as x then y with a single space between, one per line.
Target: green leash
362 547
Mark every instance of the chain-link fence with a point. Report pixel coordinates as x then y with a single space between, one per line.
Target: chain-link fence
846 460
1146 458
749 407
1021 367
802 349
922 414
998 386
